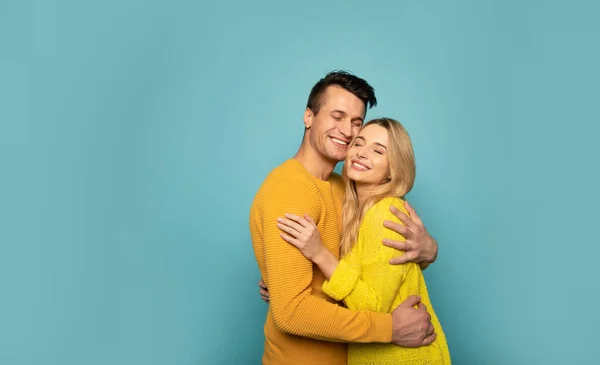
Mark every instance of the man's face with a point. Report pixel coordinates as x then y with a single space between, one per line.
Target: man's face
337 123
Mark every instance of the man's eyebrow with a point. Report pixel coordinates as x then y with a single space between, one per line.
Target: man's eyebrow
344 113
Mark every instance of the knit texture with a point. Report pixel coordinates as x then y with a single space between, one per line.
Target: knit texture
302 320
365 280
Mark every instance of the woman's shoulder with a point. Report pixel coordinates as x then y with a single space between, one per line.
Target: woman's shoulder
372 223
380 211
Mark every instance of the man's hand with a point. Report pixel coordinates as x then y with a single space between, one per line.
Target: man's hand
419 246
412 326
264 292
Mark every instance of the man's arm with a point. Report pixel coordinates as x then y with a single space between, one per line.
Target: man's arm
289 275
420 246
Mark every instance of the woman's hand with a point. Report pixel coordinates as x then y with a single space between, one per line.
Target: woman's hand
264 291
302 232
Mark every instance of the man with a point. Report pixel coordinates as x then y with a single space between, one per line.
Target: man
303 325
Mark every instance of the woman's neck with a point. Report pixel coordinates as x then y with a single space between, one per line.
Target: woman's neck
362 193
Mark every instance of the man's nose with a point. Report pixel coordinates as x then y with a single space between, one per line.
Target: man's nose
345 128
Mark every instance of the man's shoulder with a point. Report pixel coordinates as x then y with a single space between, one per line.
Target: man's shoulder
336 178
288 178
287 190
337 182
289 173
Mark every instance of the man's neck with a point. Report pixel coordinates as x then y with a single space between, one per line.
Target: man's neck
314 163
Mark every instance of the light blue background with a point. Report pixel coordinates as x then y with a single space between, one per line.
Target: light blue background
134 134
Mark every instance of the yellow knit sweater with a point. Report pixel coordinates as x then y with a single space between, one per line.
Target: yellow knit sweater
303 325
365 280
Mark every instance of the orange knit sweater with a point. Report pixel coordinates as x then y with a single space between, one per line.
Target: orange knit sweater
303 325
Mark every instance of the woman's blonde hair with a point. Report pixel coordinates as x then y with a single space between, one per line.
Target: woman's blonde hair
402 171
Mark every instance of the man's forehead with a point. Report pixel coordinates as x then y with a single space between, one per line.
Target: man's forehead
343 101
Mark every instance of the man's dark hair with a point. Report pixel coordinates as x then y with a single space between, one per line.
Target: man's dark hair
357 86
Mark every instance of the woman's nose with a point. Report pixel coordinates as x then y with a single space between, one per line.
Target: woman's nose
361 153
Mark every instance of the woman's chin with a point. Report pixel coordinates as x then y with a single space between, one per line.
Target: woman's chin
353 176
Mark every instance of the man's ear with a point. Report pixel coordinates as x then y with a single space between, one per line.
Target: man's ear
308 118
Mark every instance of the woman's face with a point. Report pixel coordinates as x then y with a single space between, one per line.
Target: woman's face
367 158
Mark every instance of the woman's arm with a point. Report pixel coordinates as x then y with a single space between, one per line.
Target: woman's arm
377 289
294 308
303 233
345 279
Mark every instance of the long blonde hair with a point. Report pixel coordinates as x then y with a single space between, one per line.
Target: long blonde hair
402 172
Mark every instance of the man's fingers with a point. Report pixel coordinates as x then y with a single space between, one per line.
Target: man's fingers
410 301
406 246
407 257
262 284
402 217
405 229
429 339
397 227
398 245
413 214
430 330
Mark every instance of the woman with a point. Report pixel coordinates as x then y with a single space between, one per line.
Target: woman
378 171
